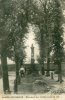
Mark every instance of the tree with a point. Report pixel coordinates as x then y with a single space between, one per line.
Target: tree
58 37
45 24
13 22
4 50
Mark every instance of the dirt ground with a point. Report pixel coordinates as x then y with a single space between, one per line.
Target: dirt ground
36 84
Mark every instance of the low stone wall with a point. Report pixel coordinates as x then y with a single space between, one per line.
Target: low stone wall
12 67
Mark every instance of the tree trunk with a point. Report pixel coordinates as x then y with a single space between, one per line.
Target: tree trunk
59 72
48 67
42 63
17 72
4 66
48 64
17 69
42 51
42 69
52 75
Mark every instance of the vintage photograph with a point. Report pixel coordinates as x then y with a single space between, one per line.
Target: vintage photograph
32 47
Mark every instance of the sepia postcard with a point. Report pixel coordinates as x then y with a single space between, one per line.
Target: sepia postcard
32 49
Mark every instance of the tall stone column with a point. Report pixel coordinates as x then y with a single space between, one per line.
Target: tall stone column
32 54
32 60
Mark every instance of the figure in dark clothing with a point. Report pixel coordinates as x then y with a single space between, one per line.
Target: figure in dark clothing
22 72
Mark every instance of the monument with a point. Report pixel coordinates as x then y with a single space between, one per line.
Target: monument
32 59
32 54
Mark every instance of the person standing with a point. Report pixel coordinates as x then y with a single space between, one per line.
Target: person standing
22 71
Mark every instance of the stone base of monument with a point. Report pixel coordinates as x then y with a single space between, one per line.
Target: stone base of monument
47 73
33 70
